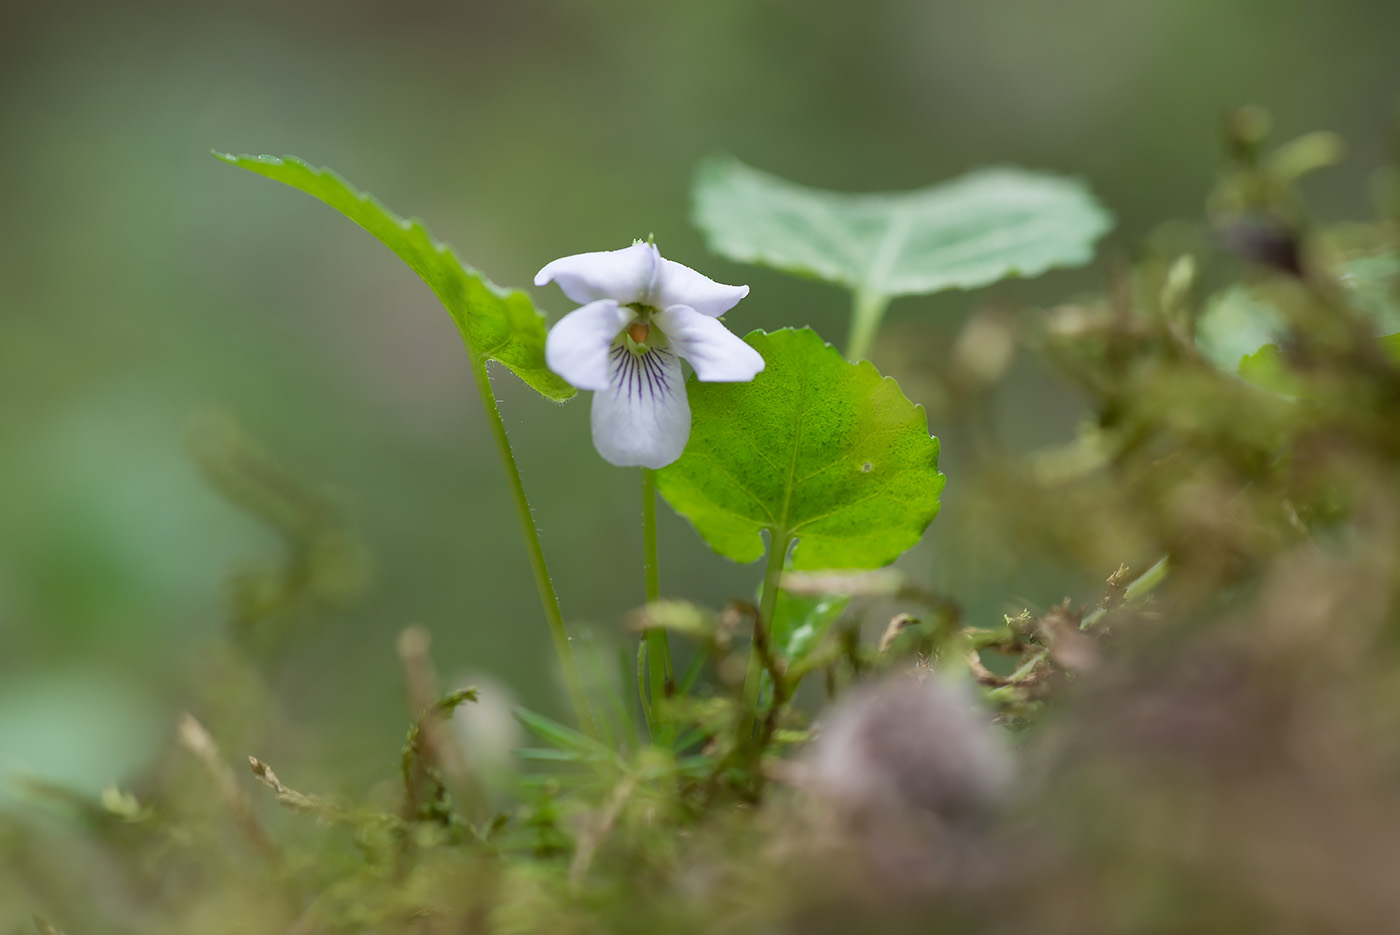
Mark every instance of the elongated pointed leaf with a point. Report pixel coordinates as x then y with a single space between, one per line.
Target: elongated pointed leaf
961 234
563 738
495 323
815 448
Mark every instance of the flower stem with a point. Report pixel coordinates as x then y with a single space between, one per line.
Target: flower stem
567 664
650 566
658 647
867 310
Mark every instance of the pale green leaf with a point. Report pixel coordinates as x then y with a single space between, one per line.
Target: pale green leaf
77 730
1236 323
1238 333
814 448
962 234
1373 283
495 323
801 620
1241 326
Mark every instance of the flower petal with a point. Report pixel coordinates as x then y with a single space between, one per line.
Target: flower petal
677 284
624 275
643 418
717 354
577 346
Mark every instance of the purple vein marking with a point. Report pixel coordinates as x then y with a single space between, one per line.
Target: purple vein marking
631 371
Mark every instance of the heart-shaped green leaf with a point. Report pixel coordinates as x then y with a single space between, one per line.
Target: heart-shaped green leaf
962 234
495 323
814 449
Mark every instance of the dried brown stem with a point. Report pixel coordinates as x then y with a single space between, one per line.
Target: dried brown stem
198 742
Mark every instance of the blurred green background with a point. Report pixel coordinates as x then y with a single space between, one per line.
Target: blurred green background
146 289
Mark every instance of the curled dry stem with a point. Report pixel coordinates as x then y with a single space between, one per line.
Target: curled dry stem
288 797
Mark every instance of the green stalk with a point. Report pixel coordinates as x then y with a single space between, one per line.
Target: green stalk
650 567
867 311
572 680
767 604
657 644
1142 585
1146 581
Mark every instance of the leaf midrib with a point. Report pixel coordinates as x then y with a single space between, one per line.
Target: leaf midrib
782 535
823 219
891 246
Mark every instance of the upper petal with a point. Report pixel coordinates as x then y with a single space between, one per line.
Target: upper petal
624 275
677 284
577 346
717 354
643 418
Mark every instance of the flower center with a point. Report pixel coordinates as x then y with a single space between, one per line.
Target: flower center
638 331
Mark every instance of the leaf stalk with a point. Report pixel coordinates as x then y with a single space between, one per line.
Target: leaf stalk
867 311
767 606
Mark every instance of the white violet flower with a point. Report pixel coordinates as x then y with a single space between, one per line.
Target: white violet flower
639 315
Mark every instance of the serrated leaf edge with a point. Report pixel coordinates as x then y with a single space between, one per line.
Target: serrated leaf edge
791 533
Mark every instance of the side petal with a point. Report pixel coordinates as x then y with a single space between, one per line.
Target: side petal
577 346
643 418
677 284
717 354
624 275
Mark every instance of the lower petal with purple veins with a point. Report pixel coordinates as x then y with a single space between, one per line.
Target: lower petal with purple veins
642 419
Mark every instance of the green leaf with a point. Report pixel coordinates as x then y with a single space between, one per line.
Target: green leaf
800 621
555 755
566 739
962 234
1235 325
1241 326
76 730
1373 283
814 448
495 323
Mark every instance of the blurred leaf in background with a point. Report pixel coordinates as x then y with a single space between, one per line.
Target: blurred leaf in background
961 234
